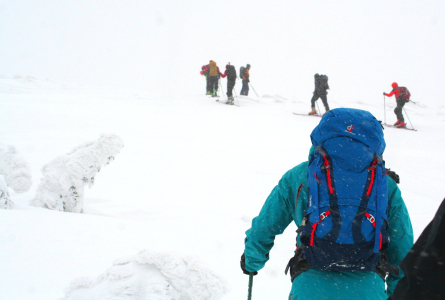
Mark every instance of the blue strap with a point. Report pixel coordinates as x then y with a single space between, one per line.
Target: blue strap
314 168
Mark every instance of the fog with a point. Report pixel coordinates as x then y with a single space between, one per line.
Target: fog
160 46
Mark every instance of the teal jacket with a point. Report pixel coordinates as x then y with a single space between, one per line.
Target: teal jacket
281 208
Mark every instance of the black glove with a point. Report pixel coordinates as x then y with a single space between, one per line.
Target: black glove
384 94
393 175
243 266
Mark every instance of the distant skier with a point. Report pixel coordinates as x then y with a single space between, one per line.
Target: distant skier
14 173
202 72
402 96
213 74
231 80
64 178
320 91
245 76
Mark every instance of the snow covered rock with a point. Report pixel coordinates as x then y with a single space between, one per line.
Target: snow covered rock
64 178
151 276
16 174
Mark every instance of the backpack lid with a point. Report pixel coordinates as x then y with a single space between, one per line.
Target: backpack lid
359 125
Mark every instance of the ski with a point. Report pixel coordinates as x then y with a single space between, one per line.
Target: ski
307 115
392 126
225 102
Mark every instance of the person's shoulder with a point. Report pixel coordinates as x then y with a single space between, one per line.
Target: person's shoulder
298 172
394 193
392 185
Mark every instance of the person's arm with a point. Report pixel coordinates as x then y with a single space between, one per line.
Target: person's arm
275 215
393 92
224 74
400 231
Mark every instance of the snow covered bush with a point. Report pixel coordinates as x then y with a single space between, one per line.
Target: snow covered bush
15 174
64 178
151 276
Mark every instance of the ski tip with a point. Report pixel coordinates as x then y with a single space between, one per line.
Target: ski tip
392 126
316 115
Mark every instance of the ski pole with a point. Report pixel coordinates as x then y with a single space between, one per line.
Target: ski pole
384 109
220 84
254 90
319 111
408 118
249 295
234 93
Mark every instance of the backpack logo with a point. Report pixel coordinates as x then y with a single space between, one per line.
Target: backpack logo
350 127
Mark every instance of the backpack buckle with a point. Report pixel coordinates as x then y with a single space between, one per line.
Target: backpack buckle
371 219
323 216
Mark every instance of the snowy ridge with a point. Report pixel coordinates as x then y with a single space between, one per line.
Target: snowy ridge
151 276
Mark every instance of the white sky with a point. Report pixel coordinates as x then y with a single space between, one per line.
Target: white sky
161 45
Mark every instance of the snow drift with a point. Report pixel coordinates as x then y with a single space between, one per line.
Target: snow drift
151 276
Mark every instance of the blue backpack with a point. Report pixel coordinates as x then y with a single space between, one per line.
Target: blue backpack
345 226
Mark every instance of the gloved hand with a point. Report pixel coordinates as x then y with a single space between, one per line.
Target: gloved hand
243 266
384 94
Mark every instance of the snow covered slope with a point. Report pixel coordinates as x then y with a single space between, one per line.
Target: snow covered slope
192 175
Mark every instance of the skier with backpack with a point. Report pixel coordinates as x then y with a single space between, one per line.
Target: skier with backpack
213 74
320 91
202 72
402 96
231 80
244 74
353 226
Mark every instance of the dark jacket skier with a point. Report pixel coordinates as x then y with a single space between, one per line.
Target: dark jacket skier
400 103
246 80
320 91
424 265
231 80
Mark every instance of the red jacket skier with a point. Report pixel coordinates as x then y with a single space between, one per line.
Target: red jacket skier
400 103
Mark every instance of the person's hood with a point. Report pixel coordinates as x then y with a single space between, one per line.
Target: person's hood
394 85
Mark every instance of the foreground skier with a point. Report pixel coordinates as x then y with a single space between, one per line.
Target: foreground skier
344 234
